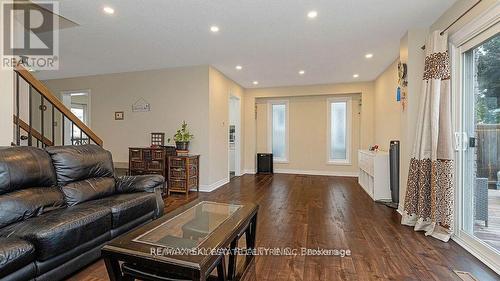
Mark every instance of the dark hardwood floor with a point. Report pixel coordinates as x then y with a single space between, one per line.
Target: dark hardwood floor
331 213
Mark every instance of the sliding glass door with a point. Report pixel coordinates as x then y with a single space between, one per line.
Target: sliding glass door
478 142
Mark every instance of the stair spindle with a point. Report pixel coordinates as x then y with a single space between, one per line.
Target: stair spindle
18 126
30 137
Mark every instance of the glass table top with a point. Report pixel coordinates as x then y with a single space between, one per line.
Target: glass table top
190 228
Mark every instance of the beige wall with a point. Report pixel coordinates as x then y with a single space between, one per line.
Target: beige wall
175 95
254 128
387 110
6 102
308 124
220 89
6 107
198 94
411 54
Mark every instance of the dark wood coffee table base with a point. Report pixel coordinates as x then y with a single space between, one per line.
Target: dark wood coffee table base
113 258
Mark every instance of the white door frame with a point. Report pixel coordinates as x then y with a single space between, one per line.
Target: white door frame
237 140
466 38
66 100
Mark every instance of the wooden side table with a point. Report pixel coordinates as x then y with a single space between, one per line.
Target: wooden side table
183 173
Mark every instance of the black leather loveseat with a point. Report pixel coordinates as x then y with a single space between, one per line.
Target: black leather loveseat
58 207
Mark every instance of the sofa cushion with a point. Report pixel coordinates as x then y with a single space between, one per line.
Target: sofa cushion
61 230
75 163
85 190
127 207
23 204
14 254
22 167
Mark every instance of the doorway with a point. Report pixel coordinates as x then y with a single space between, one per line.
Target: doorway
79 104
234 137
478 139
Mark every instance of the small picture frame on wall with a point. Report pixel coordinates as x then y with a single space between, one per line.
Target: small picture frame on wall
119 115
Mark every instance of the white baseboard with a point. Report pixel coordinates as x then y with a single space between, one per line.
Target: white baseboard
248 171
316 173
213 186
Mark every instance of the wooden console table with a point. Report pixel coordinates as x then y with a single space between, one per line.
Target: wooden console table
183 173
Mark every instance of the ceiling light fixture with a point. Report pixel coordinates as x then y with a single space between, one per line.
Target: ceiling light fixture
369 56
302 72
355 76
312 14
255 82
108 10
239 67
214 28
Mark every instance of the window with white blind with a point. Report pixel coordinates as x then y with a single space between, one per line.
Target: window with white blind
339 130
278 130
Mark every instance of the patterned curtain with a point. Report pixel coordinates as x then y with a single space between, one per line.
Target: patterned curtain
428 204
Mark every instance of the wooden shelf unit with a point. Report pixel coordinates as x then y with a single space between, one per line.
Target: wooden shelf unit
183 173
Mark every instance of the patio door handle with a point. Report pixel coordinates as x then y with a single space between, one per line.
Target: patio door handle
472 142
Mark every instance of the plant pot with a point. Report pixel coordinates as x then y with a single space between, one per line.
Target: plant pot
182 145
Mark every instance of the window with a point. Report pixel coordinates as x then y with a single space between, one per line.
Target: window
278 130
339 130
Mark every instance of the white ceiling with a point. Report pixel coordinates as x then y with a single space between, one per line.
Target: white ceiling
271 39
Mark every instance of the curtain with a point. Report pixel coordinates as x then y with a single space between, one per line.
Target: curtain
428 205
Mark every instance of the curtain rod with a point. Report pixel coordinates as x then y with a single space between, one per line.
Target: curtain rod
457 19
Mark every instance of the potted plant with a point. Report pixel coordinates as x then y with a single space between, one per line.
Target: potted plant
182 137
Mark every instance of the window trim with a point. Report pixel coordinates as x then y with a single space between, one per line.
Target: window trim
270 104
348 101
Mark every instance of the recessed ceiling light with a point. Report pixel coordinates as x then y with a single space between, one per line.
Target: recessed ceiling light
239 67
302 72
255 82
108 10
214 28
369 56
312 14
355 75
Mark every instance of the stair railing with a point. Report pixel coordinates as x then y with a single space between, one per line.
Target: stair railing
48 100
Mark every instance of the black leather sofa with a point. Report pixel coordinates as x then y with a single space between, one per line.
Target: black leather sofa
60 205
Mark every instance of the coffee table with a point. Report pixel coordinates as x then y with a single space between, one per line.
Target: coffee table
181 242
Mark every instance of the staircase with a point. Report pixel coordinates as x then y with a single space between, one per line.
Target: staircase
41 119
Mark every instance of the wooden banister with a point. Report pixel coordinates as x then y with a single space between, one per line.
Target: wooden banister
49 96
37 135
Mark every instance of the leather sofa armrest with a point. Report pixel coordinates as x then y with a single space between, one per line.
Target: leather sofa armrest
144 183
